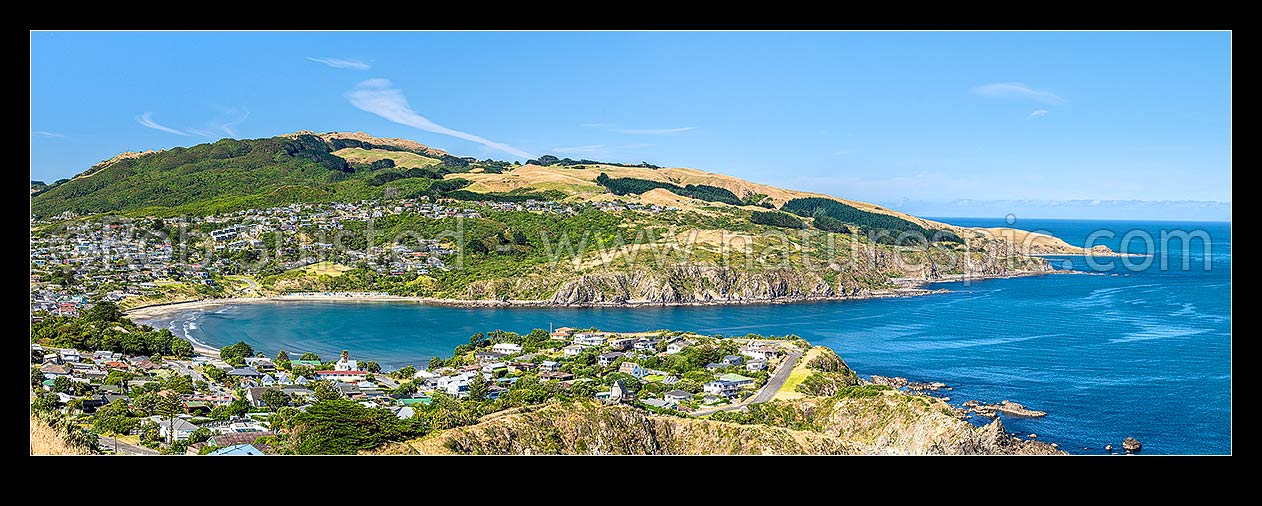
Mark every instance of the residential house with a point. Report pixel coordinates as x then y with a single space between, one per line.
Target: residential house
619 393
733 360
483 357
738 380
346 364
562 333
677 395
714 366
623 344
722 388
69 355
237 438
589 339
521 366
549 366
349 390
556 375
245 372
237 450
488 370
660 403
606 359
52 371
761 352
255 396
342 375
756 365
177 429
646 344
573 350
677 345
506 348
633 369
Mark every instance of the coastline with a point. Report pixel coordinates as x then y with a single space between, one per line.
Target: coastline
911 288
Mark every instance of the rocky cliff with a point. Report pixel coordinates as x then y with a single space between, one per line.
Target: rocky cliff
892 424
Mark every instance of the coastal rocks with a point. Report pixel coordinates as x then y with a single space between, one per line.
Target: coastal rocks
1005 407
931 386
892 382
1132 445
1108 448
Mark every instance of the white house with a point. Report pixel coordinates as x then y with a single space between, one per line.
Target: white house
589 339
488 370
178 429
606 359
346 364
344 376
573 350
720 387
506 348
756 365
549 366
761 352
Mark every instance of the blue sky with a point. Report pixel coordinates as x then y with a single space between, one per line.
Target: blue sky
1042 124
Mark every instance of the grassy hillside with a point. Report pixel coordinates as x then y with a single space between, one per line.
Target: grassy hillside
234 174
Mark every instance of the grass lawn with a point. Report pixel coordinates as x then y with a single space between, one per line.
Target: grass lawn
326 268
653 377
788 390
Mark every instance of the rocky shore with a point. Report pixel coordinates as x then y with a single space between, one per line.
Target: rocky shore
1005 407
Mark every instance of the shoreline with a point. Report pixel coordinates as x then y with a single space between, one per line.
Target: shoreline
912 288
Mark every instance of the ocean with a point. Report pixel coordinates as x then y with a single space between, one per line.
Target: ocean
1143 353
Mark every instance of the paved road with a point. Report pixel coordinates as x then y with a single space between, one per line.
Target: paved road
188 370
768 391
109 443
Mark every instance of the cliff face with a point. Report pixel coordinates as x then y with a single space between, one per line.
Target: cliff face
863 426
705 283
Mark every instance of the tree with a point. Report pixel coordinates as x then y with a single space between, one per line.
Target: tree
406 372
434 363
275 399
325 391
61 384
37 377
181 348
104 311
372 366
338 426
478 388
46 403
214 373
282 355
303 370
310 356
236 352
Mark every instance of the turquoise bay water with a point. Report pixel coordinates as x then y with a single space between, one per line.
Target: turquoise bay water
1141 354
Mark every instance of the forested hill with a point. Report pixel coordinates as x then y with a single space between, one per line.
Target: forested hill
235 174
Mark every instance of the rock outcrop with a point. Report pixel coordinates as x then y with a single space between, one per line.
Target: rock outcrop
1132 445
884 424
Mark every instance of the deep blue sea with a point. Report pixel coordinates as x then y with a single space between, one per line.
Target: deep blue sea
1132 353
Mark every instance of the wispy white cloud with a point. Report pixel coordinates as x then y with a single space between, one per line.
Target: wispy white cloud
595 125
653 131
342 63
42 133
1038 113
1018 91
594 149
380 97
235 117
147 121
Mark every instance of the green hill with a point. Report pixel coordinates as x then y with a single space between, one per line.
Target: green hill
234 174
